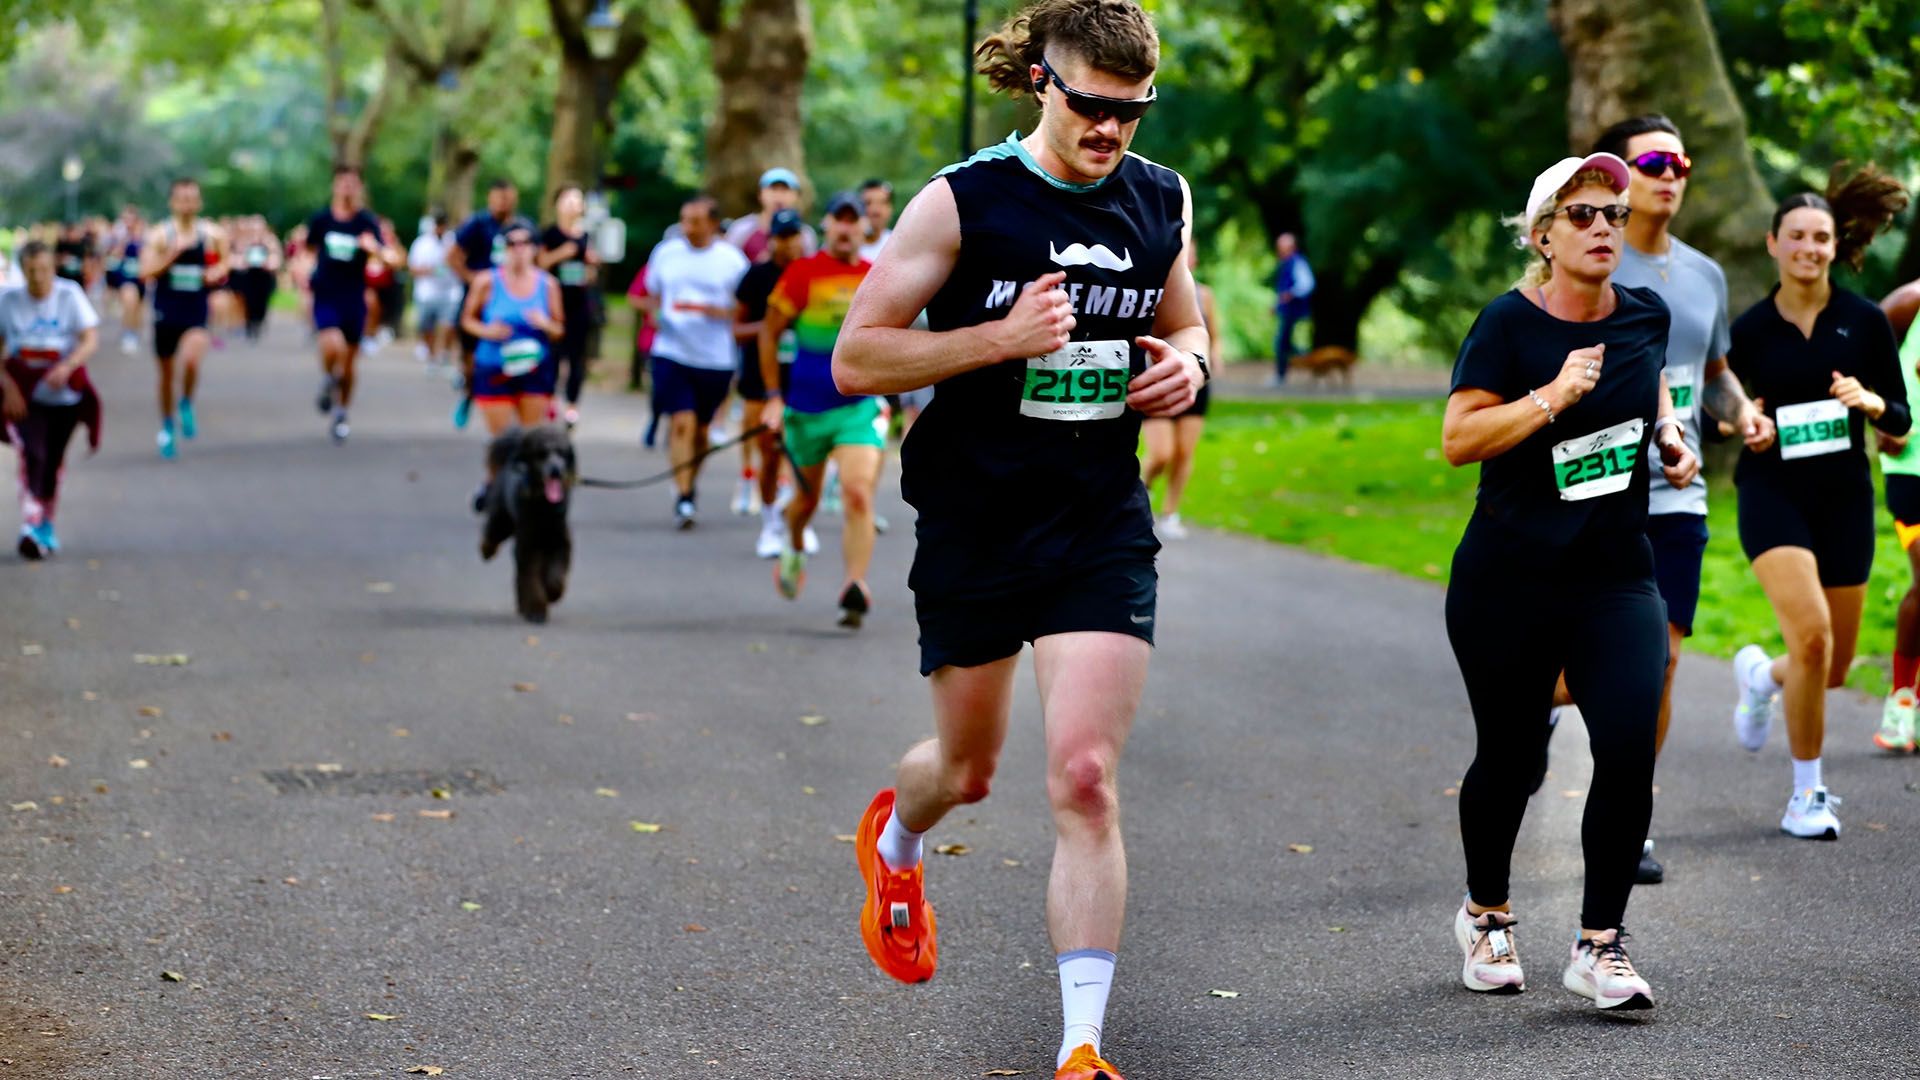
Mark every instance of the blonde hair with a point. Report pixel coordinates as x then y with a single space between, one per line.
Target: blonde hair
1540 268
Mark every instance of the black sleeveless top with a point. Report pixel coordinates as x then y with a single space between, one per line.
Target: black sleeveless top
180 289
1030 464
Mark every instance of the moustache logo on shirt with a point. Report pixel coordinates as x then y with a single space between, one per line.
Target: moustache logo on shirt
1099 255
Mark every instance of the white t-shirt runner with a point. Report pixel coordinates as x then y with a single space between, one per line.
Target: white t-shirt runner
1695 290
437 284
43 332
685 277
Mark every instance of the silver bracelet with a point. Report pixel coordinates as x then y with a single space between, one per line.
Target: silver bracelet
1674 420
1542 402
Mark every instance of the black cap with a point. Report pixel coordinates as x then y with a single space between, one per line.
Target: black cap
846 200
784 223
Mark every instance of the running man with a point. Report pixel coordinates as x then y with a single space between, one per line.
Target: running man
48 331
343 238
478 246
756 288
691 280
1900 464
123 276
779 190
1071 316
876 198
818 421
184 257
1695 291
436 292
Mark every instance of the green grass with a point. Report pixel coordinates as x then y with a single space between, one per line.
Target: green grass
1365 481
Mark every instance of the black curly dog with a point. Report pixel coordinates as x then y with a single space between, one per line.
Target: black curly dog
533 475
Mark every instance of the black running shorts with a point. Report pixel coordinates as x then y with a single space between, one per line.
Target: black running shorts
1118 595
1837 525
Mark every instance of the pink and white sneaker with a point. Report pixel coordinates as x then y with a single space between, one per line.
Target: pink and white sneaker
1601 972
1492 962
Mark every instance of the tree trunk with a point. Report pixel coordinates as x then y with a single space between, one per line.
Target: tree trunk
1341 299
366 126
761 63
1629 57
455 165
576 147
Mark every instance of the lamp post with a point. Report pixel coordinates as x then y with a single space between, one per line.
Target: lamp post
966 80
602 32
71 170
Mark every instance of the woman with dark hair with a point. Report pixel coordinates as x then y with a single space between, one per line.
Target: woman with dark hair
1558 394
1824 362
566 252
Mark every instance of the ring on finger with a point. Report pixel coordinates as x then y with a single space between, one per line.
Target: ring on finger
1589 371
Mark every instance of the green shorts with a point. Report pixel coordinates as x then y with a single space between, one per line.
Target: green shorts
812 436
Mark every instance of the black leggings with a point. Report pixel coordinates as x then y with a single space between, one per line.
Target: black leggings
1518 615
40 438
572 350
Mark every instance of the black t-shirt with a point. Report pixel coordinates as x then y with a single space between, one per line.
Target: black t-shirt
70 260
753 292
339 264
482 239
1794 372
572 274
1582 477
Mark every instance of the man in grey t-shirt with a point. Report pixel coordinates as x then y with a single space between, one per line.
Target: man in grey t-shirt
1695 290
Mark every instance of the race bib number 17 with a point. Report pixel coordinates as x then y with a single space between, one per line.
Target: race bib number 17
1082 380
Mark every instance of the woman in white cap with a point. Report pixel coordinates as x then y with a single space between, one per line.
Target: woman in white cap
1558 393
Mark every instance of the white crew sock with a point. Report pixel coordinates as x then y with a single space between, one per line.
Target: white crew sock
1085 977
769 517
1760 677
1806 774
899 846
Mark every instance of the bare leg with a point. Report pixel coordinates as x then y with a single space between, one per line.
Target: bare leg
193 346
498 414
1158 435
1674 640
165 364
1090 686
859 478
349 353
1186 438
680 429
806 499
1791 579
534 409
970 711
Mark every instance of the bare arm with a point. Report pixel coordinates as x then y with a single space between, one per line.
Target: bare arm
476 303
1726 400
155 254
742 329
771 328
457 262
1900 306
1480 425
877 353
548 258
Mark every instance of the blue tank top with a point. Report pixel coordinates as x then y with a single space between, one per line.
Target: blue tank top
526 350
180 290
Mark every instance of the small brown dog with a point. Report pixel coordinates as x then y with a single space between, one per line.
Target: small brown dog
1328 360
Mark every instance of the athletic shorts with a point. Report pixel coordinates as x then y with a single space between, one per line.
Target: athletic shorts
751 385
1835 524
436 313
166 337
1200 402
678 388
345 314
1118 596
139 285
811 437
1903 502
1679 544
493 384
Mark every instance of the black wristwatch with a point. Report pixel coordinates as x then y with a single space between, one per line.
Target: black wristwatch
1206 373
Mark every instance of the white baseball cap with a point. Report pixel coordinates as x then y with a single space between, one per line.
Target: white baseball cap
1548 184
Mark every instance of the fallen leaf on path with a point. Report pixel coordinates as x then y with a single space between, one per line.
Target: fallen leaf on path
812 720
24 807
565 718
289 881
366 658
1877 826
468 905
440 793
1783 1016
380 587
808 791
89 695
328 767
31 649
59 762
381 1017
952 849
1450 792
427 1070
178 659
644 826
173 976
223 736
1336 929
437 815
641 717
1009 862
694 928
62 890
844 837
526 687
606 792
241 594
73 624
99 789
533 640
383 818
757 647
151 711
1223 993
1004 1072
1300 849
401 733
138 763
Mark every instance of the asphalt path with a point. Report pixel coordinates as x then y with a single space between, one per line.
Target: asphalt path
260 822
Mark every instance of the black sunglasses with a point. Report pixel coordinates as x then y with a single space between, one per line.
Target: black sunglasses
1095 107
1655 162
1582 215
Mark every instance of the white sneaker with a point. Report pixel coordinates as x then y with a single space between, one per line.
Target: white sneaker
810 541
1171 527
422 353
772 536
1753 716
743 497
1601 972
1810 815
1492 961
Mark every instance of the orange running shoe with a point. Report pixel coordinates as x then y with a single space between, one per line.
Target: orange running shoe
896 922
1086 1064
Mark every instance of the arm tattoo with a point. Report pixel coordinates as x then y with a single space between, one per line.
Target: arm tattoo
1723 398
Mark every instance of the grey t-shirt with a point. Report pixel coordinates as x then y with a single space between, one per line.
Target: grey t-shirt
1695 290
42 332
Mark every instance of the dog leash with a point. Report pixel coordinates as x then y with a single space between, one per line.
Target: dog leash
757 429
